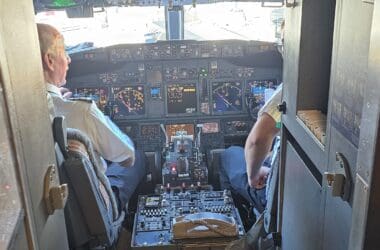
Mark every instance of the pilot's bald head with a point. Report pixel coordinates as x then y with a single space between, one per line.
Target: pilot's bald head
51 40
54 58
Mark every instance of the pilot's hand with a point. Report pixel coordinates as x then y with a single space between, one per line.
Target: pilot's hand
66 93
260 179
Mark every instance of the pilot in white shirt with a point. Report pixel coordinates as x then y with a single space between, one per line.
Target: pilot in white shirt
128 167
107 139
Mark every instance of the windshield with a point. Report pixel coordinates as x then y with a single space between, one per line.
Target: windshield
112 25
119 25
237 20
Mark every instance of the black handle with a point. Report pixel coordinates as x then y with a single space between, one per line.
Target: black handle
282 107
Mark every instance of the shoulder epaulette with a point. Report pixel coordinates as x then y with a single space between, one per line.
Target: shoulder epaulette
82 99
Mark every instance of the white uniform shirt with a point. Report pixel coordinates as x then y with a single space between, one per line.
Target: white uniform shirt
270 107
108 140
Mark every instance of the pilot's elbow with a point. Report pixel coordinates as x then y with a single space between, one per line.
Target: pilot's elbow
130 161
254 141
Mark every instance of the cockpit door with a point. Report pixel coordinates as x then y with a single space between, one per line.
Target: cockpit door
26 143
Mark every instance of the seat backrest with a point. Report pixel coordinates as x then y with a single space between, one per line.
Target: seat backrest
91 213
270 213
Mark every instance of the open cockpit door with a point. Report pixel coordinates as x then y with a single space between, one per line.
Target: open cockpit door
26 142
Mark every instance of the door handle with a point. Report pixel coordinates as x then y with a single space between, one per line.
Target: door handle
282 107
55 195
341 182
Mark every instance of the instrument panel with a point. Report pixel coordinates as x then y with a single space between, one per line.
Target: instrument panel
213 85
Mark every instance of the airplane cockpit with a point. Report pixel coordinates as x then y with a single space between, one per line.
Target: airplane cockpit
189 124
184 83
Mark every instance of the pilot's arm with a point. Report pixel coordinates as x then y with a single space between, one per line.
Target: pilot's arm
260 140
110 142
257 147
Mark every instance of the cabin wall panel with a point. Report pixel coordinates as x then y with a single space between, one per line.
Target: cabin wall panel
302 205
366 221
349 75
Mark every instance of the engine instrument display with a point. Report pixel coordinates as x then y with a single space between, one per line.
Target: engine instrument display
227 96
99 95
129 101
260 91
179 129
181 99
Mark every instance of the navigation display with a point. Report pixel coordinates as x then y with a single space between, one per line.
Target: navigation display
99 95
129 101
181 99
227 97
261 91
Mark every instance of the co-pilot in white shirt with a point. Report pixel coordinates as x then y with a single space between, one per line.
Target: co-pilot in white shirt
270 107
108 140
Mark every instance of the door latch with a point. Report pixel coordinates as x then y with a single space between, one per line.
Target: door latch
340 182
282 107
55 195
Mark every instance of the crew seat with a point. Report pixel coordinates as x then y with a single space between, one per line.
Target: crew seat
91 213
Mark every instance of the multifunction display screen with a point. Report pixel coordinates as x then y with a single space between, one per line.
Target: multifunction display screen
181 99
